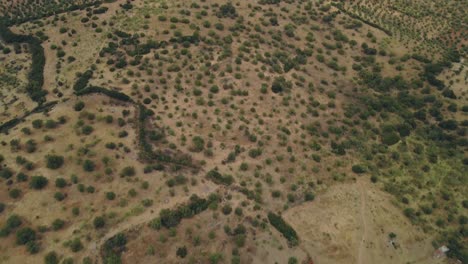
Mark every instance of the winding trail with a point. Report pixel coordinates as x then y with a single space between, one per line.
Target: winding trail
139 220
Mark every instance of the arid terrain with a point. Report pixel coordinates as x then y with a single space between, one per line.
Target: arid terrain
213 131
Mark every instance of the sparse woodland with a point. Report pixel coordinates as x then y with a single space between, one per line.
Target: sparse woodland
150 131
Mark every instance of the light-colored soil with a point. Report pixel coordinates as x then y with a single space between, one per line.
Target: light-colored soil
351 223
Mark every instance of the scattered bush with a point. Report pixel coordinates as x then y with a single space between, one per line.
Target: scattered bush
54 161
38 182
25 235
99 222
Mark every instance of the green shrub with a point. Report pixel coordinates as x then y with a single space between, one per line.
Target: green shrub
390 138
227 209
181 252
79 106
198 144
99 222
60 183
5 173
227 10
58 224
89 165
128 171
38 182
51 258
280 85
218 178
309 196
54 161
14 193
110 195
87 130
358 169
75 245
59 196
25 235
284 228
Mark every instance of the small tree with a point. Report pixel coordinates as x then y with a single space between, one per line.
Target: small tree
198 144
128 171
181 252
89 165
51 258
60 182
79 106
25 235
58 224
280 85
54 161
227 10
38 182
75 245
99 222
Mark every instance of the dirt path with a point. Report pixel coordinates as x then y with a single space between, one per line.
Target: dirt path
136 221
362 213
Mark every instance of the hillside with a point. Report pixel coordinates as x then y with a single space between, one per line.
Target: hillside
270 131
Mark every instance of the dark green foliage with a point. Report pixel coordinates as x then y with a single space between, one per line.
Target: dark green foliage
54 161
309 196
79 106
181 252
227 10
99 222
280 85
51 258
9 124
75 245
89 165
25 235
198 144
218 178
86 130
128 171
42 9
284 228
38 182
390 138
449 124
382 84
6 173
32 247
50 124
253 153
457 244
14 193
58 224
60 183
171 218
358 169
113 248
111 93
59 196
82 82
372 24
110 195
36 74
12 222
269 2
227 209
